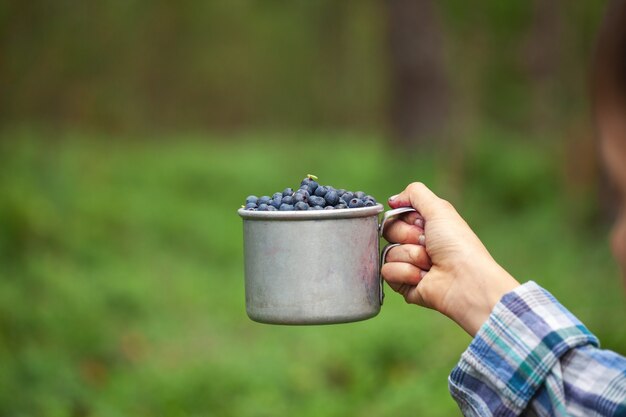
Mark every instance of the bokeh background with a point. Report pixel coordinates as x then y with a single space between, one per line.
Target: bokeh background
131 131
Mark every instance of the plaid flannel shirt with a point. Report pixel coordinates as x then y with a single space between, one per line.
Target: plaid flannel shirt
533 357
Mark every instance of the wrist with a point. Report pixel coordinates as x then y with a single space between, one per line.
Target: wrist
487 290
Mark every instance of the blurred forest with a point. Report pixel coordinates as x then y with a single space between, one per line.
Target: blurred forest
131 131
409 67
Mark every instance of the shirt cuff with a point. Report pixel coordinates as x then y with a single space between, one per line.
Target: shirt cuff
514 351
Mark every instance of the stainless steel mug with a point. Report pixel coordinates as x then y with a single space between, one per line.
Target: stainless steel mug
314 267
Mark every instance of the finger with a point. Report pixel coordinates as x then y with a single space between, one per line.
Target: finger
397 231
402 273
420 197
410 293
411 217
412 254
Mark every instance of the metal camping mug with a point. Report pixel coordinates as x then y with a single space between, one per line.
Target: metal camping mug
314 267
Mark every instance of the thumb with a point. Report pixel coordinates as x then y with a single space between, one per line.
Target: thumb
418 196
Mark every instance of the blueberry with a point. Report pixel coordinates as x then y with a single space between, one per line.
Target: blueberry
317 201
347 196
277 200
310 196
321 191
300 197
331 197
313 186
301 205
355 203
310 184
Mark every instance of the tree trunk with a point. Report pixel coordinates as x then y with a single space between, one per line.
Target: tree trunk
542 54
419 88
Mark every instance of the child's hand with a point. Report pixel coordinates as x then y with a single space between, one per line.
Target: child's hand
441 263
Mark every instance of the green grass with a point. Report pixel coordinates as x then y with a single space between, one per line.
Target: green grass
121 279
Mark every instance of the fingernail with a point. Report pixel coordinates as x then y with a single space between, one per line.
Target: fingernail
419 222
393 197
423 273
421 240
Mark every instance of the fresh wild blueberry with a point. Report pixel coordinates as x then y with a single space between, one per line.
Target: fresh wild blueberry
300 197
355 203
331 197
321 191
277 200
317 201
301 205
310 196
310 183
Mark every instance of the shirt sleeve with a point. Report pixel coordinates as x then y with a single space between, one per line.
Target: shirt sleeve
533 357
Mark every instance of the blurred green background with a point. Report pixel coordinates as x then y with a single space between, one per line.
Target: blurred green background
131 131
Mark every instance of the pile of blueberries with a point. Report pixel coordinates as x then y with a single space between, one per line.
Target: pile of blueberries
310 196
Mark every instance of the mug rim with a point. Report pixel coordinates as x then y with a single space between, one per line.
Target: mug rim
347 213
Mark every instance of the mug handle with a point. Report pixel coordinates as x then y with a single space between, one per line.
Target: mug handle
386 216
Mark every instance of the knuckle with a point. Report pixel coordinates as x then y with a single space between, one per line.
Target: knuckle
415 187
445 204
414 253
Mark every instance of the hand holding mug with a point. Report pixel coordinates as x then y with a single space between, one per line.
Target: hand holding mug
441 263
